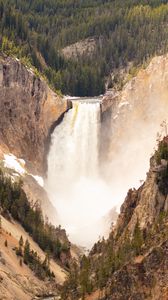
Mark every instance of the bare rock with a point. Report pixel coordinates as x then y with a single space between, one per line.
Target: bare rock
29 109
85 48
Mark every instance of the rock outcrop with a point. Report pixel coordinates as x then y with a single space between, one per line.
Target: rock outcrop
29 109
142 205
145 278
84 48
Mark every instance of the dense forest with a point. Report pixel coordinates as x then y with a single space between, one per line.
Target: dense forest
125 31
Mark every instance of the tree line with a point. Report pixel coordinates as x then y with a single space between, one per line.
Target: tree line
125 31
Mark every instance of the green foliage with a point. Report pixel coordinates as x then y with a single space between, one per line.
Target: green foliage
79 282
124 31
9 47
20 262
0 223
162 180
41 269
26 254
70 287
19 251
106 257
162 217
21 241
84 279
13 200
138 240
162 152
162 176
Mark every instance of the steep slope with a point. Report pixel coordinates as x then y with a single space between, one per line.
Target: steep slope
17 281
142 273
132 263
33 251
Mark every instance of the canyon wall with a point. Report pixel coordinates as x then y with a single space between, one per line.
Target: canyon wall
132 263
28 109
143 276
131 119
143 99
29 112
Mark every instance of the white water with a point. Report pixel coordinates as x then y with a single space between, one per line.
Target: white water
74 185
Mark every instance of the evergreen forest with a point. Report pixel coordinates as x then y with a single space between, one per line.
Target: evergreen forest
125 31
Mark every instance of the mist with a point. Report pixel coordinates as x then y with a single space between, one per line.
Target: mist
74 185
85 190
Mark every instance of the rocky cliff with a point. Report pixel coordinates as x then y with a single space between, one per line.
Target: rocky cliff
140 106
132 263
28 109
134 116
143 273
149 82
131 119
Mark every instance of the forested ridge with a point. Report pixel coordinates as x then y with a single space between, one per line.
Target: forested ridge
125 31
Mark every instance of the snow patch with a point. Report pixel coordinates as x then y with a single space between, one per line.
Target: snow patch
12 162
18 165
39 179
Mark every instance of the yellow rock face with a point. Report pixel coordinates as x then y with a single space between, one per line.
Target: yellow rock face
28 109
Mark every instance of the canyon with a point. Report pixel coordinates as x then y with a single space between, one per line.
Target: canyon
97 149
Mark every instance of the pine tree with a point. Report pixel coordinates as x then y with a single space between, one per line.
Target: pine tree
26 254
46 262
21 241
0 224
86 286
137 239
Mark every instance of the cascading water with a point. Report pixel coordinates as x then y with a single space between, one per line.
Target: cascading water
82 192
73 184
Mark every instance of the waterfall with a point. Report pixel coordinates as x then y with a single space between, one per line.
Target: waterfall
73 182
75 146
